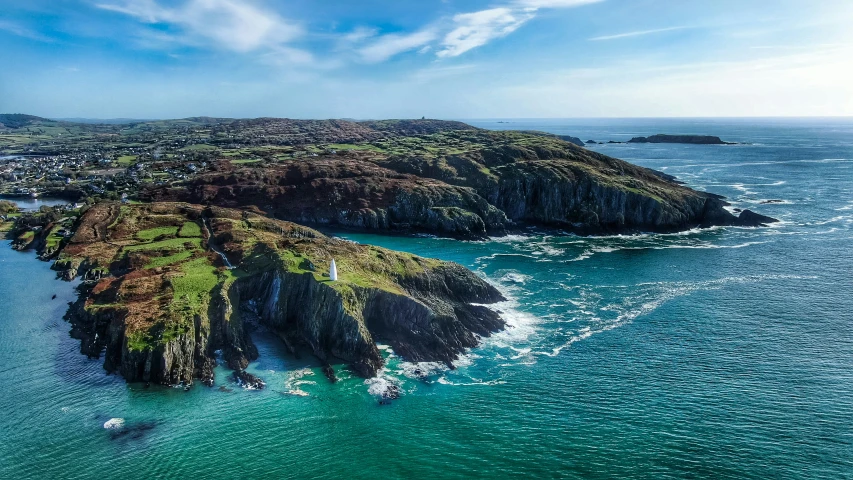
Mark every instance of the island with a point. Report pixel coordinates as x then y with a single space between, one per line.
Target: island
691 139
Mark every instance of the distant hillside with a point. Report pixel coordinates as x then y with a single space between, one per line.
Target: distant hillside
103 121
416 127
18 120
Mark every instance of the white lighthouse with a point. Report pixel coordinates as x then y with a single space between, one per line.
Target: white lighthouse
333 271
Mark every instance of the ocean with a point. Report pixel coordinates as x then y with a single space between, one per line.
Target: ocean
719 353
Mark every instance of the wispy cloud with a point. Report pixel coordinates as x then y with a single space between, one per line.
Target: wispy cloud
477 29
20 31
392 44
536 4
359 35
639 33
463 32
230 24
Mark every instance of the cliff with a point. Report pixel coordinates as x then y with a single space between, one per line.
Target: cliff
350 192
160 301
460 183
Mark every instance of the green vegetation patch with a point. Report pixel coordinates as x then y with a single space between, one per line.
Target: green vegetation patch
169 244
169 259
350 146
152 233
201 147
243 161
126 160
190 229
192 288
53 238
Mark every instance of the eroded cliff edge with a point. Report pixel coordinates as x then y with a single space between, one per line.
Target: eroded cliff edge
159 304
461 183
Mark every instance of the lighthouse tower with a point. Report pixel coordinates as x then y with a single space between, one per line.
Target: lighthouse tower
333 271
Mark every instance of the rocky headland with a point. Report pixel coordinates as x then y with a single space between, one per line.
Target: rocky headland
169 286
460 183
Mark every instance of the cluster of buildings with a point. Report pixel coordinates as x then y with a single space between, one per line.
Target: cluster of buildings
93 175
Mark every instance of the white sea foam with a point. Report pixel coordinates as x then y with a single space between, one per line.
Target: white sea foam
509 239
515 277
478 383
420 370
382 383
114 424
840 218
583 256
643 299
294 381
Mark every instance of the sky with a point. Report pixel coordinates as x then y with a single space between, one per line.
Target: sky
434 58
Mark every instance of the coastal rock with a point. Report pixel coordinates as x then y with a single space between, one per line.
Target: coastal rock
748 218
248 381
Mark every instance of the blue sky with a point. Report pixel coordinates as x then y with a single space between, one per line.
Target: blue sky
434 58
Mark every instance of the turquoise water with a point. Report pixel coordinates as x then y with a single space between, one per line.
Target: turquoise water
725 353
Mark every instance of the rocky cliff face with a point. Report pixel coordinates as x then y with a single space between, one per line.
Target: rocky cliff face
162 304
497 181
352 193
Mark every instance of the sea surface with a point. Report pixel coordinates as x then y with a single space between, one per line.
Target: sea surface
721 353
29 204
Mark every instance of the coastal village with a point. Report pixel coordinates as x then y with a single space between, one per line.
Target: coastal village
76 177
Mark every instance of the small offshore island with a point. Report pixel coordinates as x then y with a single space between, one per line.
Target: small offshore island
664 138
183 231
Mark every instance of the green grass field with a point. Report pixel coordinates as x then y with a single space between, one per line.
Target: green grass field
190 229
152 233
170 244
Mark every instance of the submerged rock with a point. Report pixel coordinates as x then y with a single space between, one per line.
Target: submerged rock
248 381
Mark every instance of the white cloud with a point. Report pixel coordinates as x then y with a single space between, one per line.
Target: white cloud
389 45
638 33
231 24
359 35
20 31
479 28
462 32
554 3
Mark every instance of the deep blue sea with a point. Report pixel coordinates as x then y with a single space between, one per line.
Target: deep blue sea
721 353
